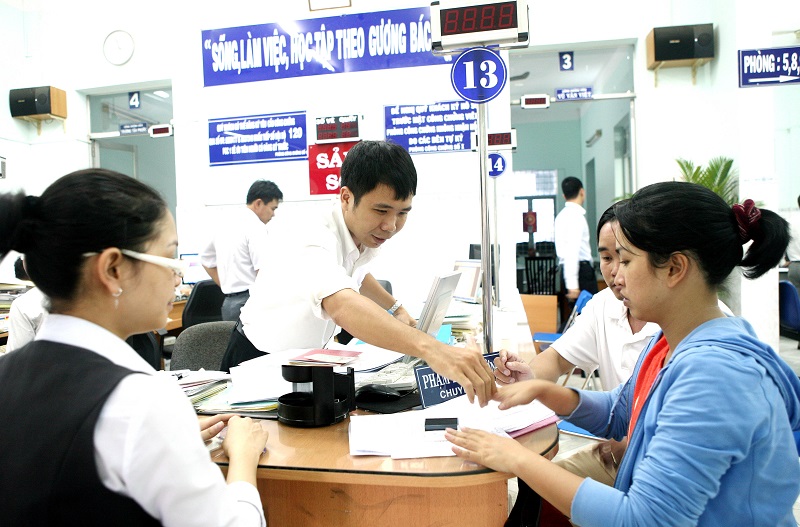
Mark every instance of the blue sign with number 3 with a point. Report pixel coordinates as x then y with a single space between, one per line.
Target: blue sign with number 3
478 75
565 62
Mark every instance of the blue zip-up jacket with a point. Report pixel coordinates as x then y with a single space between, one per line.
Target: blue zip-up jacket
713 445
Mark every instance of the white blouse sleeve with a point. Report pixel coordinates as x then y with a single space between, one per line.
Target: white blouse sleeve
148 447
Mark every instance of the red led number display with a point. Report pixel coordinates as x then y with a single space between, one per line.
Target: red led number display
499 139
474 19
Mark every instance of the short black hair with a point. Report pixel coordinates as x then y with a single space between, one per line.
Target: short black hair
372 163
608 216
19 270
570 187
264 190
85 211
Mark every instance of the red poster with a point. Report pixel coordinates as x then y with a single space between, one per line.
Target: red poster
529 221
324 164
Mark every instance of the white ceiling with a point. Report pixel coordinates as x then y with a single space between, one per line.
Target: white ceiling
606 67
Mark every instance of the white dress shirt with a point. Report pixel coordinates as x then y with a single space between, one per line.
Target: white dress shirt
572 241
236 250
147 441
601 337
793 250
25 317
317 259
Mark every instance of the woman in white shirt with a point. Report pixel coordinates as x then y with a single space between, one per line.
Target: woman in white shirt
97 437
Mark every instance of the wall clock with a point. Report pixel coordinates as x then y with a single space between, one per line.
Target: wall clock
118 47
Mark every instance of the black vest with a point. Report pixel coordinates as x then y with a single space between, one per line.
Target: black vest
50 398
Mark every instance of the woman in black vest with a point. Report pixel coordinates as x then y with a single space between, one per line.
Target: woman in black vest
93 436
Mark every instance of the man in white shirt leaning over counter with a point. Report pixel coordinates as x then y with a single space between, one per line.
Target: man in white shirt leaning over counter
322 279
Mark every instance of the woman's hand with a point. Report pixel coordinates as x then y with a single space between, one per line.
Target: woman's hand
245 437
490 450
213 425
511 368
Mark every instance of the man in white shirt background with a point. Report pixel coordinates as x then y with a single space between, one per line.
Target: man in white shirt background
572 242
235 253
793 250
26 314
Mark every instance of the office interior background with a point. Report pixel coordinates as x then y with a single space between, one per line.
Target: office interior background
628 136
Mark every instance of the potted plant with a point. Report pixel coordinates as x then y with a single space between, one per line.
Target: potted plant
719 176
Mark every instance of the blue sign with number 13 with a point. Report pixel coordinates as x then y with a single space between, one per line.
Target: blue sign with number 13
478 75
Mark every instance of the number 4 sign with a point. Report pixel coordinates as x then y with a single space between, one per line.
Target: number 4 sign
478 75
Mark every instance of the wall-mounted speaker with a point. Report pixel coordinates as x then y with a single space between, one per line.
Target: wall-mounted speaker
680 45
44 101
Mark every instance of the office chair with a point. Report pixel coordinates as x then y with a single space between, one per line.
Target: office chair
789 310
148 347
540 272
204 304
542 341
201 346
546 249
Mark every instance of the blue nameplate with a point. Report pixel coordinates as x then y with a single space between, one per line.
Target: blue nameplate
435 389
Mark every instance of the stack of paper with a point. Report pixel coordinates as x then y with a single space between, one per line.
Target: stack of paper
325 357
402 435
201 385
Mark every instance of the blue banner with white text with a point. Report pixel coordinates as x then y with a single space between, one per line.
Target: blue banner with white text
257 139
319 46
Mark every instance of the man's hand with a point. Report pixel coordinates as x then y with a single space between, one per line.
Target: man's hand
573 294
467 367
611 452
402 315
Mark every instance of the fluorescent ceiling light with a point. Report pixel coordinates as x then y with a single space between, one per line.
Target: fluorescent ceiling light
162 94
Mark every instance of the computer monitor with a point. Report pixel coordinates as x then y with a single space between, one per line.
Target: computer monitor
469 285
435 309
194 272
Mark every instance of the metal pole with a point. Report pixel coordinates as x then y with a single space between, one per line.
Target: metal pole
496 245
486 248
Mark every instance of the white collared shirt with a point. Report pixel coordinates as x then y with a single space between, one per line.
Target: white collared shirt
572 241
25 317
318 259
237 250
147 440
793 250
602 337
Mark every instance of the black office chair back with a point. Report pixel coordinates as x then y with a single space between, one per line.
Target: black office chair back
540 272
147 346
204 304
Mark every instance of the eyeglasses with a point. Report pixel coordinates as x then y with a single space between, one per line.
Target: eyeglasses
179 267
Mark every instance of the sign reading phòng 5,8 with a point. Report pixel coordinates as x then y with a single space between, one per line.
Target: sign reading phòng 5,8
762 67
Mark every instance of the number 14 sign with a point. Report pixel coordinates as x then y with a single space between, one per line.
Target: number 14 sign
478 75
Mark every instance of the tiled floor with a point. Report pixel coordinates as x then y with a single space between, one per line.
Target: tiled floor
789 353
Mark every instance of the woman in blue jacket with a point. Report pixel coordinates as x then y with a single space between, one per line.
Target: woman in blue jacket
709 410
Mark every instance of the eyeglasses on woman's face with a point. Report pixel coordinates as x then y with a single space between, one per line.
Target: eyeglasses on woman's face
177 266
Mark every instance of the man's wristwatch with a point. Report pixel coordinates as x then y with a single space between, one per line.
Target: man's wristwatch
394 307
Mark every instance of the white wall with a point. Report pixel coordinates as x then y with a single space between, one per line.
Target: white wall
60 44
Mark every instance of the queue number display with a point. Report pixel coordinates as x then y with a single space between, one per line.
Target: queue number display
460 24
332 129
499 140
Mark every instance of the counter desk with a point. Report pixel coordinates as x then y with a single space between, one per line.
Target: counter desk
308 478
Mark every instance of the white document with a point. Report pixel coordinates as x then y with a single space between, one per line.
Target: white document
402 435
260 379
372 358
